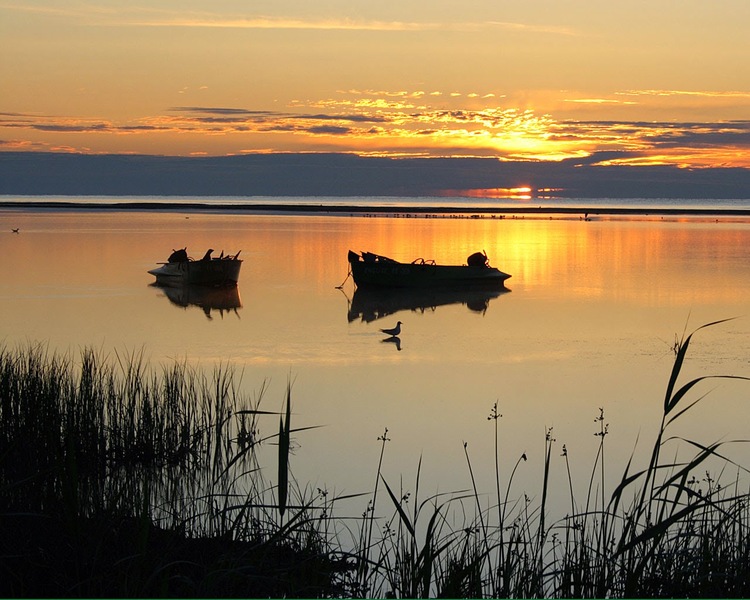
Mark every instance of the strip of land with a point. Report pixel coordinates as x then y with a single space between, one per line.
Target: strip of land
344 176
583 211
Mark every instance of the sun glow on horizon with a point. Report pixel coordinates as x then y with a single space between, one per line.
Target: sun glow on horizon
499 193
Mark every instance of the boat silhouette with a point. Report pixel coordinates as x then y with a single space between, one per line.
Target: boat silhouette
180 269
375 271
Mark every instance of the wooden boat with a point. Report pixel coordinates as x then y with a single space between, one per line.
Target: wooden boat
373 270
180 269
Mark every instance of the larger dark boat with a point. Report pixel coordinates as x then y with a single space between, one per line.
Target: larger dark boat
374 270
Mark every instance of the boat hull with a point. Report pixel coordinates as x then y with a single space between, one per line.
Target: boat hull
214 272
392 274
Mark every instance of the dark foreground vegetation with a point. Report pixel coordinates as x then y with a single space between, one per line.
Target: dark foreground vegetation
117 480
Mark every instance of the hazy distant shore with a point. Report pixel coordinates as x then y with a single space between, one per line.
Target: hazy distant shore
318 175
422 210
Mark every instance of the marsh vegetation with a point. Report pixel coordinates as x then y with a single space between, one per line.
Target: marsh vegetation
120 479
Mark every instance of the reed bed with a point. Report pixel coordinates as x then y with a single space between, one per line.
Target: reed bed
117 479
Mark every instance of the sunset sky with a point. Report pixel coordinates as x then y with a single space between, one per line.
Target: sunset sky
661 82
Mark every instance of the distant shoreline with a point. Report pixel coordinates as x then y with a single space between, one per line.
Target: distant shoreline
344 175
503 211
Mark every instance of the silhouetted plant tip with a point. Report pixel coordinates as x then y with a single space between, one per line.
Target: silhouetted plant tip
284 444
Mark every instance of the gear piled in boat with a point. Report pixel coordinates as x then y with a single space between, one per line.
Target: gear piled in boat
180 269
373 270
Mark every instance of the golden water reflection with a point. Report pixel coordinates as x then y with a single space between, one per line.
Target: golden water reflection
593 313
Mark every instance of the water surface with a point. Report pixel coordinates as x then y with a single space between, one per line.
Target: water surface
589 322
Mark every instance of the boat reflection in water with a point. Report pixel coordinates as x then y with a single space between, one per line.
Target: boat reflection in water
371 304
221 298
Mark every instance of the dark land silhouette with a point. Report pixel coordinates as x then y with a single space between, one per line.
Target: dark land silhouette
341 175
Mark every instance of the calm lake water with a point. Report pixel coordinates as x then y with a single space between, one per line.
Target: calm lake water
590 322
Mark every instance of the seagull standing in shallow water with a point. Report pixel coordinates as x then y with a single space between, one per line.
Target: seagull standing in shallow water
393 332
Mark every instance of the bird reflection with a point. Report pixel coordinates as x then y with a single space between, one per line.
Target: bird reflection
394 339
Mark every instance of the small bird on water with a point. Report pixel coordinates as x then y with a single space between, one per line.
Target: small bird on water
394 331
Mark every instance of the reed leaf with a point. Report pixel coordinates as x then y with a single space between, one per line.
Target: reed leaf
662 526
429 553
713 447
669 402
401 513
625 481
243 452
284 443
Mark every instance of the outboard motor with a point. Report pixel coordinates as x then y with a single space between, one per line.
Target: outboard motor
179 255
478 259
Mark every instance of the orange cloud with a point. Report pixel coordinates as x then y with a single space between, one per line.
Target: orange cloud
392 123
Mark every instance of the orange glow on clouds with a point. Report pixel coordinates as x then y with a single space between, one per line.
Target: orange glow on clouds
396 123
400 123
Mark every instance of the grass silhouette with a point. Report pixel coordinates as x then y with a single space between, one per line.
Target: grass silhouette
119 480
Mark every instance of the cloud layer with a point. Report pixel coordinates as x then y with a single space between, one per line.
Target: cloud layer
411 123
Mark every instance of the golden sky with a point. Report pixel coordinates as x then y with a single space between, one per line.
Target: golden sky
655 82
